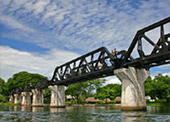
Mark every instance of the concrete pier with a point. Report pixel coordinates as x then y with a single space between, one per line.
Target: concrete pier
57 96
133 93
38 99
17 98
26 98
11 98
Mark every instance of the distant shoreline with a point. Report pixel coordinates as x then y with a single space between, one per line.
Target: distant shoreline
94 105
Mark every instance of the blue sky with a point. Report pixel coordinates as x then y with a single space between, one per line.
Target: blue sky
38 35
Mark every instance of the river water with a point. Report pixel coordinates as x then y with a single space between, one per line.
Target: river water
82 114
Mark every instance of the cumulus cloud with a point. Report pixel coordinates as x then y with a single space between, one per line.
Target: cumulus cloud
112 80
14 61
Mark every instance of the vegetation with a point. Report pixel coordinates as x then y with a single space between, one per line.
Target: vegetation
110 91
80 91
18 80
8 104
47 96
22 79
2 90
157 88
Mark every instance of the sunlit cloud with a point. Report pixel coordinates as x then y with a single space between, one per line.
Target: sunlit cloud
14 61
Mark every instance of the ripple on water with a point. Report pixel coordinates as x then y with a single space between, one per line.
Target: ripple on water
79 114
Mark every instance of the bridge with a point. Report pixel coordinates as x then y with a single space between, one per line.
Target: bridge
131 67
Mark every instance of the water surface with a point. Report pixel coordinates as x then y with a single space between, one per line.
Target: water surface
82 114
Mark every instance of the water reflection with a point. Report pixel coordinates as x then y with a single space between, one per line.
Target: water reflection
159 109
26 108
82 114
57 110
37 109
134 116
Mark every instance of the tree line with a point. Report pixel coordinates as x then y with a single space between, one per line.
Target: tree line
156 88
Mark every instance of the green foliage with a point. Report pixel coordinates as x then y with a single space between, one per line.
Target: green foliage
2 86
109 91
3 98
22 79
47 96
7 104
159 87
84 89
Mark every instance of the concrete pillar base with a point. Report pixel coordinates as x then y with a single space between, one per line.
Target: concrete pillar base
26 98
38 98
17 98
57 96
37 105
133 93
132 108
57 106
11 98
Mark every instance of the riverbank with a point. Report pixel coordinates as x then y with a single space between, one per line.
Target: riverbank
94 105
8 104
91 105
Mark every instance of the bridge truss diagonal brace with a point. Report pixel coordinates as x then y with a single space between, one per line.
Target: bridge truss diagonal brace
57 96
133 93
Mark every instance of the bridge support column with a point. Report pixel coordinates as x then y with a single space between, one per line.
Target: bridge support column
38 98
57 96
26 98
17 98
133 93
11 98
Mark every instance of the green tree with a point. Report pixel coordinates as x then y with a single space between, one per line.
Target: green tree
80 91
47 96
159 87
22 79
109 91
2 86
3 98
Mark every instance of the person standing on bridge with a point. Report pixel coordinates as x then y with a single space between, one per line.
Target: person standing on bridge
114 52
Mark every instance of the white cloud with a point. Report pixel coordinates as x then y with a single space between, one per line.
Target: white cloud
39 6
168 74
87 25
75 25
14 61
5 2
112 80
14 24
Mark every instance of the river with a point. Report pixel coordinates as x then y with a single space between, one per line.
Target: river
82 114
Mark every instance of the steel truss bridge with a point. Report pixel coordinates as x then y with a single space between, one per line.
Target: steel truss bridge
101 63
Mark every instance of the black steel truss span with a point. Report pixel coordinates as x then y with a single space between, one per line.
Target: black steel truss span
101 63
96 64
160 49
